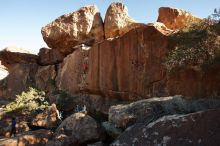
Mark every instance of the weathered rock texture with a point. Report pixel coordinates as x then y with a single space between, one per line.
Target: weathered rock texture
132 66
47 119
20 78
149 110
11 55
201 128
127 67
117 21
76 130
82 26
32 138
176 18
45 78
49 56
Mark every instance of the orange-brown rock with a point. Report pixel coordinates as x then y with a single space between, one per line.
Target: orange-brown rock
20 78
192 82
132 67
49 56
47 119
31 138
13 55
45 78
176 18
128 67
82 26
117 21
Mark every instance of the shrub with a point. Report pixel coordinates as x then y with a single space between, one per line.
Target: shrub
29 101
197 45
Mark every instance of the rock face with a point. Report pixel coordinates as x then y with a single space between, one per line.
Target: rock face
201 128
20 78
47 119
127 67
12 55
32 138
195 83
45 78
151 109
76 130
175 18
82 26
117 21
49 56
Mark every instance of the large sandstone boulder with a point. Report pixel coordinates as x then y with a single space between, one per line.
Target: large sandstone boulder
129 67
49 56
192 82
12 55
176 18
31 138
47 119
20 78
201 128
76 130
117 21
45 78
82 26
149 110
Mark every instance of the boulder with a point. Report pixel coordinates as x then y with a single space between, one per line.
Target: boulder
45 78
76 130
176 18
20 78
111 130
82 26
31 138
49 56
200 128
151 109
128 68
117 21
5 126
132 67
192 82
12 55
47 119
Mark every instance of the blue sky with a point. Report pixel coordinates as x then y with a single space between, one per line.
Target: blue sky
21 20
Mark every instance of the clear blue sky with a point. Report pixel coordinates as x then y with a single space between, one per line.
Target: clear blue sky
21 20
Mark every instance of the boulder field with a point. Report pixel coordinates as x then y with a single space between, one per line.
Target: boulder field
116 68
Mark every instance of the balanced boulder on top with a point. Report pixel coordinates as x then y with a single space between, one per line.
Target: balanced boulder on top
84 26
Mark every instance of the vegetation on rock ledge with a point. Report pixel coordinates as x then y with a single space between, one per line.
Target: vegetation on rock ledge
197 46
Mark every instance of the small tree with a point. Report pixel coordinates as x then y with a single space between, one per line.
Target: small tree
29 101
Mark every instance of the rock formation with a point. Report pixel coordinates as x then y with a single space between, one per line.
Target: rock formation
20 78
75 130
117 21
127 67
31 138
47 119
176 18
49 56
201 128
84 26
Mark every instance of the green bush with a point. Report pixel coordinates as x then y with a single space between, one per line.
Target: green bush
197 45
31 100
